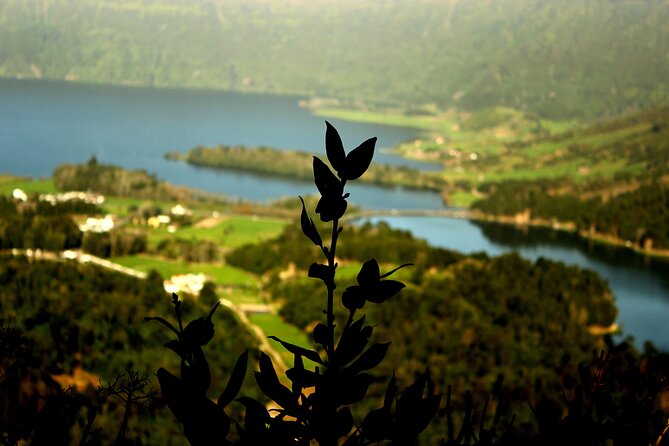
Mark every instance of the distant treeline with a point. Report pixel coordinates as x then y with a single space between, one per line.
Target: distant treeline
294 164
640 216
557 59
116 181
470 319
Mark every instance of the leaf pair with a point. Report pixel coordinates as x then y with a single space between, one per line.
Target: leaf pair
353 165
370 286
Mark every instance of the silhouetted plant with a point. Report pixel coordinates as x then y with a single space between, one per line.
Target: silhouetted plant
204 421
317 404
131 389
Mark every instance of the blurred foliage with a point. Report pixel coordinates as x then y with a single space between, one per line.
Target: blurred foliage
640 216
85 325
557 59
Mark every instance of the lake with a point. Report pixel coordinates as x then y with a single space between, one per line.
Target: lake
44 124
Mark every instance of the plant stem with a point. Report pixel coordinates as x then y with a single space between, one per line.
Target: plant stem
331 286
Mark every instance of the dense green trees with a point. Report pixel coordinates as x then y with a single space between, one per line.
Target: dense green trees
113 180
469 319
79 317
556 59
640 216
39 225
292 164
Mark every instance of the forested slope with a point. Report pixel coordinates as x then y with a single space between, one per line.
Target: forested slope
560 59
476 323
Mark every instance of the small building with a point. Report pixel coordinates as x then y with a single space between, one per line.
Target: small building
99 225
189 283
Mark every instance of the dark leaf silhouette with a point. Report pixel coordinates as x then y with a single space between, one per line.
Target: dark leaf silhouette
353 298
177 347
321 334
370 358
162 321
269 384
235 382
196 376
343 421
377 425
352 388
331 208
308 227
326 182
353 341
384 290
322 272
369 273
297 350
334 148
359 159
199 331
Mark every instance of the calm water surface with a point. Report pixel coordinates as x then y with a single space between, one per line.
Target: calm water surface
44 124
640 285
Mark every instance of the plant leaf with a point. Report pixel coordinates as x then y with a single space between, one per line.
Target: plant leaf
297 350
359 159
331 208
353 341
391 393
370 358
377 425
256 417
353 389
353 298
172 389
177 347
236 380
323 272
369 273
392 271
308 227
343 421
384 290
321 334
162 321
334 149
326 182
269 384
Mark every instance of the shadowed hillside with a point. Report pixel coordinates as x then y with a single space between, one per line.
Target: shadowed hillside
559 59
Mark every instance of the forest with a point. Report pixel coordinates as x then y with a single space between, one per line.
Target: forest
648 204
554 59
83 326
293 164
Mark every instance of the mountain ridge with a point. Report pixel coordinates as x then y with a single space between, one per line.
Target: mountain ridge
555 59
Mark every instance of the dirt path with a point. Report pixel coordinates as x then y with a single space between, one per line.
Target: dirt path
265 346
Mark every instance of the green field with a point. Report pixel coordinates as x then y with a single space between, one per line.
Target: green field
28 185
228 232
272 324
220 274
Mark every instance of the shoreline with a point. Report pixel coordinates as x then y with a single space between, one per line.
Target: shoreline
570 228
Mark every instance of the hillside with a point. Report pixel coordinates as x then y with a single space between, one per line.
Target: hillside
557 59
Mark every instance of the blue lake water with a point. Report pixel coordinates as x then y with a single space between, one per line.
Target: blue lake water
44 124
